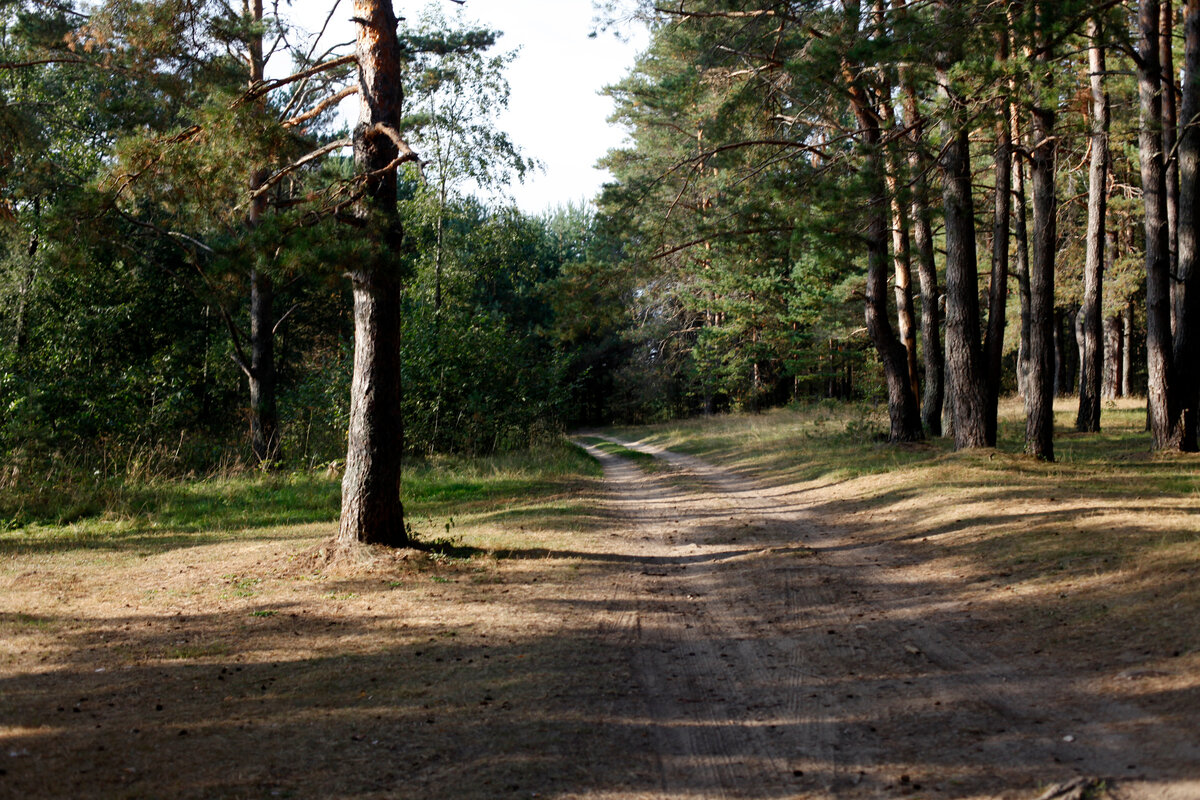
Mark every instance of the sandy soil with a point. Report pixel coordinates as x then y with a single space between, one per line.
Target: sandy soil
699 636
780 657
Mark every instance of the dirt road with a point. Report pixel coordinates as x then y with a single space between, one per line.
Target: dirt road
684 633
774 657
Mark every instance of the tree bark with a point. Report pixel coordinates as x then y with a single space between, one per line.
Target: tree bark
903 413
264 414
1039 397
1021 268
901 249
931 314
371 508
964 356
1170 120
1162 410
902 268
1113 357
922 238
1091 356
993 344
1186 350
265 443
1127 351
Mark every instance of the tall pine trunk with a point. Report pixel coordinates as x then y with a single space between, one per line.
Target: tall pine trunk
1039 395
1091 362
1187 325
922 240
901 249
904 416
903 413
931 314
371 508
1162 409
1170 122
1113 357
993 346
264 414
260 372
964 356
1127 351
902 268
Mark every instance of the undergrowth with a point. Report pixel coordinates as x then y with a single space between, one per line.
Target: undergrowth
69 507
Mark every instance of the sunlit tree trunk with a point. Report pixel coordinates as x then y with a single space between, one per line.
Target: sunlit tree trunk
903 411
922 239
964 357
371 509
902 269
901 249
1163 411
931 314
1039 395
1170 122
1113 357
1091 356
1127 351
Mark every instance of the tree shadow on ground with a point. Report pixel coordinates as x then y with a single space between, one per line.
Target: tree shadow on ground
308 704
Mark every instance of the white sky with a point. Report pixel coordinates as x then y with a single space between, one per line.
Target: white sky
556 114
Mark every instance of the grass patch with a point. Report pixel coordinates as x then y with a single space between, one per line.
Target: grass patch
147 518
647 462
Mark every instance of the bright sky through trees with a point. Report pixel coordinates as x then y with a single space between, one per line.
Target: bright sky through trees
556 113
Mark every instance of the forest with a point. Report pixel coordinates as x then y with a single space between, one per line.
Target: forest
267 313
177 225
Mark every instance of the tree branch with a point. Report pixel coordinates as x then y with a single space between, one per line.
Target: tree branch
260 89
702 240
316 110
286 314
295 165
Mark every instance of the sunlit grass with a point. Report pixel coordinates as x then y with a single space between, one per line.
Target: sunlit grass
152 516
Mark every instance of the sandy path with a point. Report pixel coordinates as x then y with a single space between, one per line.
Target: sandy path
774 657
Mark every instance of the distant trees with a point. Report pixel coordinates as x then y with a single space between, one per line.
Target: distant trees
804 102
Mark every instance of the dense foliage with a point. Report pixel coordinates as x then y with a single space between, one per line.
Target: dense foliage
130 272
177 225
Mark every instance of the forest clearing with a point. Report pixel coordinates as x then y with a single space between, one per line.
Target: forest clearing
771 605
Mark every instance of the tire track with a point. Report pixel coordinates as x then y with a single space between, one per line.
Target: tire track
774 658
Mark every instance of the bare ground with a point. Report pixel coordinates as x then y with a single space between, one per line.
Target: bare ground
700 635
